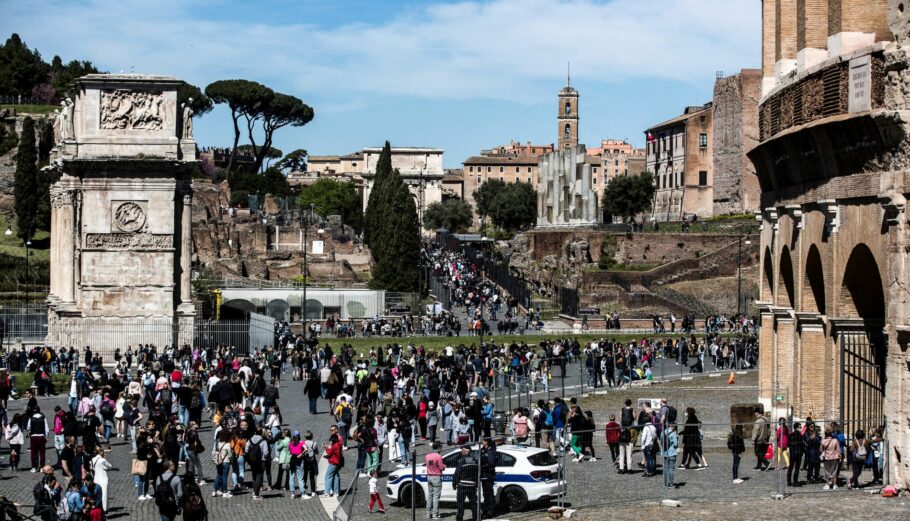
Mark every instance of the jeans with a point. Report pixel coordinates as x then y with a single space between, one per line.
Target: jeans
73 404
313 405
650 464
184 415
434 483
139 482
332 480
237 469
669 470
736 458
221 478
296 479
133 437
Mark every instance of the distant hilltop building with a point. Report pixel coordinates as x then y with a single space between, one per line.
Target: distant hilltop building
421 168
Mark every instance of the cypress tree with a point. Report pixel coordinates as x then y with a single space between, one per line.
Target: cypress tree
398 240
376 203
26 181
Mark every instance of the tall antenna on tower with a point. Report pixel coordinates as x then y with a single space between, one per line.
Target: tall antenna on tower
568 74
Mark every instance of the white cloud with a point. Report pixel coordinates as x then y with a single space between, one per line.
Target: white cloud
499 49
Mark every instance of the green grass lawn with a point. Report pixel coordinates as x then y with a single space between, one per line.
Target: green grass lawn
437 343
23 381
14 246
32 109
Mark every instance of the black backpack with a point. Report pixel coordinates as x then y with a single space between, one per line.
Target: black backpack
106 410
671 414
194 508
254 456
346 416
164 494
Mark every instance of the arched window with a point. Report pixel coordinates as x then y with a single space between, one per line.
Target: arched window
568 108
568 130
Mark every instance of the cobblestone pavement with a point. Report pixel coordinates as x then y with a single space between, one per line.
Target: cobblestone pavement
587 480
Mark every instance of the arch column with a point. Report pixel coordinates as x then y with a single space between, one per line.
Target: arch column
769 38
811 33
854 24
785 31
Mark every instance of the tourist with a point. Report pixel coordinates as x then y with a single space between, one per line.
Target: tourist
283 457
796 446
813 454
256 451
374 494
100 466
169 492
37 431
335 457
857 457
671 443
222 458
15 439
760 435
737 446
831 458
434 468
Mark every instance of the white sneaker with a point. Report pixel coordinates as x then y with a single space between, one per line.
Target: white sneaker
737 481
827 487
216 493
227 494
306 496
593 459
834 487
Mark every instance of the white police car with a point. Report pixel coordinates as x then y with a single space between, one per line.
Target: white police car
523 475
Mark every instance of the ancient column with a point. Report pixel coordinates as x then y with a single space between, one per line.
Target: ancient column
67 240
186 249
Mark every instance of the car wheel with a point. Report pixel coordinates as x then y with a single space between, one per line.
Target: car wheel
514 499
404 496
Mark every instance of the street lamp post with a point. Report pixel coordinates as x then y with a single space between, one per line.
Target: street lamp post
739 273
28 273
305 220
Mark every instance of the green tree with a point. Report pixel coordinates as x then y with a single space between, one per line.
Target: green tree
201 103
241 97
293 162
334 197
62 75
454 215
397 239
628 196
274 112
486 194
272 181
20 68
514 207
26 181
377 202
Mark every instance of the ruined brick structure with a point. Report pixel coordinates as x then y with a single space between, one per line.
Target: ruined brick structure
736 133
834 168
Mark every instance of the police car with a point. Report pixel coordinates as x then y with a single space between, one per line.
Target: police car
523 475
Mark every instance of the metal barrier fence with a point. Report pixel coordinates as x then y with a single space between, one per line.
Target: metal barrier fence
28 324
345 509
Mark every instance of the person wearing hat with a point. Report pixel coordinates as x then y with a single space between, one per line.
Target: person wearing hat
465 483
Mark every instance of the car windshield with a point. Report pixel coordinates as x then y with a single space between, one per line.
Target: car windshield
542 459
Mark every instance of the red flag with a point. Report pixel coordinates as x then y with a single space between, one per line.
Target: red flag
650 137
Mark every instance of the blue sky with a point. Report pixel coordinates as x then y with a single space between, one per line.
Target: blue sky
460 75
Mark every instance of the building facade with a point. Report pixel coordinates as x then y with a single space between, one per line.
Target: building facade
832 166
680 157
735 133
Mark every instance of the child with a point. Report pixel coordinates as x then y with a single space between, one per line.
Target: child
93 512
374 493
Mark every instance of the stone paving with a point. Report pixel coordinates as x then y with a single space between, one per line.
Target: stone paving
589 483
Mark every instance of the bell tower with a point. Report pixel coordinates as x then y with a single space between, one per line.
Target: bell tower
567 116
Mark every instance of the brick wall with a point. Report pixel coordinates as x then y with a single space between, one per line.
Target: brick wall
735 132
786 30
811 24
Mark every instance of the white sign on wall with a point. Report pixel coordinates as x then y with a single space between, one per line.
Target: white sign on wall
318 247
859 92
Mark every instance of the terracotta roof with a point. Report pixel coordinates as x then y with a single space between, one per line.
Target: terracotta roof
678 119
501 160
322 158
355 155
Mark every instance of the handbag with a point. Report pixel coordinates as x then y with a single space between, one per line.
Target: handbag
769 454
139 467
